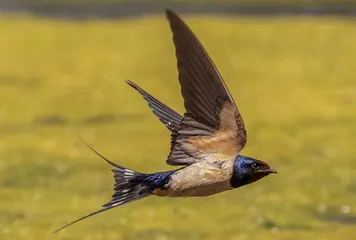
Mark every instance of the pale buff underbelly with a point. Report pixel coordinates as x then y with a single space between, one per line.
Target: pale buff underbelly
200 191
198 180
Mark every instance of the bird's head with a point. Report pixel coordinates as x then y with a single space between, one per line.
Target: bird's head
248 170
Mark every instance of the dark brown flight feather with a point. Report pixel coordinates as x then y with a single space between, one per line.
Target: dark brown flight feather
212 126
165 114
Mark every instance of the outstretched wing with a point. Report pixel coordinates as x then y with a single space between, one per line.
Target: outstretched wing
212 127
170 118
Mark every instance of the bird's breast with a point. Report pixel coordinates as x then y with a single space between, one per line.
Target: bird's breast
198 180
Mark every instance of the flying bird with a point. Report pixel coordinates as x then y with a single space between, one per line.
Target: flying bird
205 141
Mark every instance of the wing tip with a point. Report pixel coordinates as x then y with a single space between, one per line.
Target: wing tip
169 12
172 16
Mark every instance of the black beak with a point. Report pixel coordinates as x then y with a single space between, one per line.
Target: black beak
269 171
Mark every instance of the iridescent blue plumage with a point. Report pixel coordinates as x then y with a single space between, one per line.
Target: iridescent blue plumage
248 170
156 180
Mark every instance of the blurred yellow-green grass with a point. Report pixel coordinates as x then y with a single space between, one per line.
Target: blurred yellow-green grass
265 2
293 78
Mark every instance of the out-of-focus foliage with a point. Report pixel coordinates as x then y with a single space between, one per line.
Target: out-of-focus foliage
293 80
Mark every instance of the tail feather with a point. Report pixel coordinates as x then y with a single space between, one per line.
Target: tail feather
128 187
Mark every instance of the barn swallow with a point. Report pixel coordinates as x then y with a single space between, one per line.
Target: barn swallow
205 141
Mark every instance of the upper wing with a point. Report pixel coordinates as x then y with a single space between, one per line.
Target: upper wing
212 126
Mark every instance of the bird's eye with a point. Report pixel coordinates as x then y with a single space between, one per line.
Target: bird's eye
255 165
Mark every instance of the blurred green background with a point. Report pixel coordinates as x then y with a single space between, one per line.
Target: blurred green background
293 78
267 2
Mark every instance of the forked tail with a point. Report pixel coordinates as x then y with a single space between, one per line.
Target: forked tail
128 187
